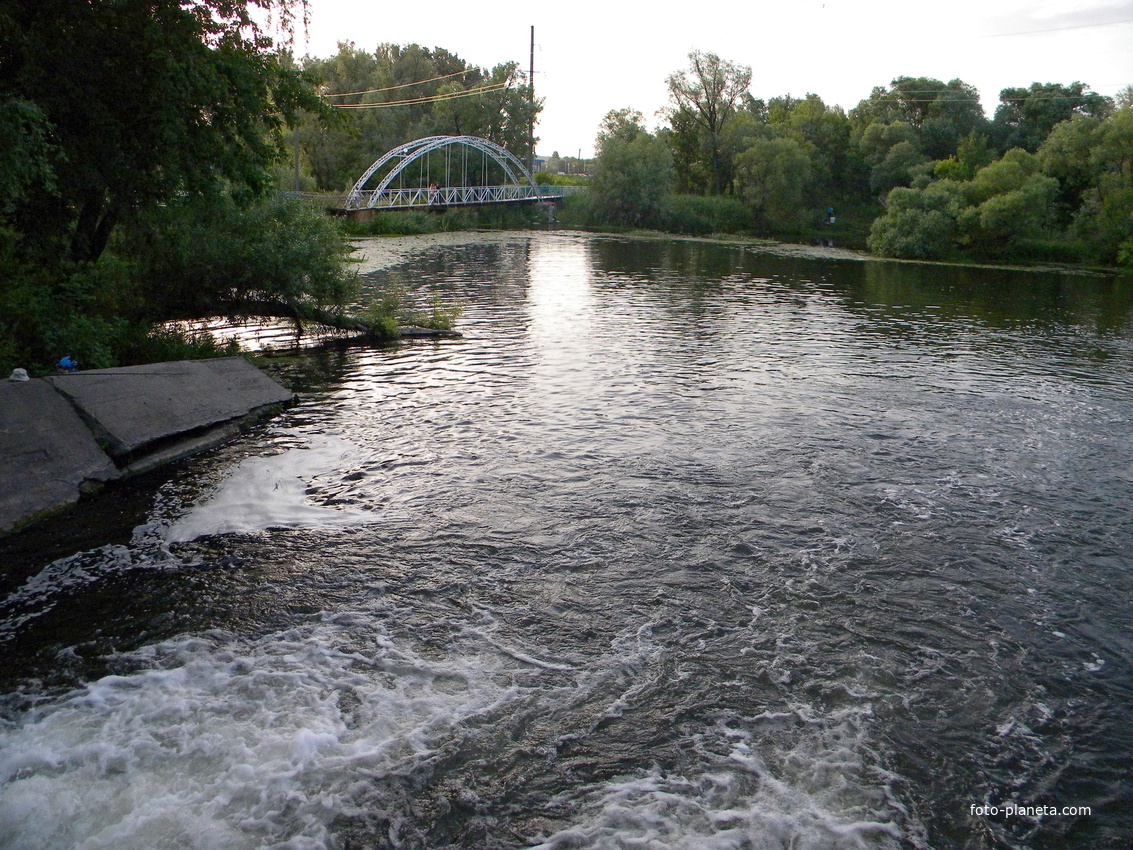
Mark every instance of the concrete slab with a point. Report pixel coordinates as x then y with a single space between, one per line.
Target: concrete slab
134 407
46 452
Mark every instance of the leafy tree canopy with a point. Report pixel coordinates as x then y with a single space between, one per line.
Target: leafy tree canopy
711 89
140 101
633 172
972 154
775 176
915 100
30 159
623 125
705 97
1026 116
1006 201
940 113
918 224
824 129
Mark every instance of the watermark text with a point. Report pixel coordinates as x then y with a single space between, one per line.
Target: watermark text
1010 810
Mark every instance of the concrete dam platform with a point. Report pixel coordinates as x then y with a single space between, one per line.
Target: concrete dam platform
62 435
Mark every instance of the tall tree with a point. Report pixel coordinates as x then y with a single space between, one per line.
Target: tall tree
892 152
825 129
146 99
508 113
940 113
633 171
1025 116
1124 98
706 96
1067 154
775 176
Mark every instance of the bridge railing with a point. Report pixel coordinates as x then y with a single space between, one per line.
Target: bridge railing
560 191
453 196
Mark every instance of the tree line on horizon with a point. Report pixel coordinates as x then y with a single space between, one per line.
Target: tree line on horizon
1048 176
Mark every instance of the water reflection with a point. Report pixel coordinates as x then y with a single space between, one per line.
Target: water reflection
1000 298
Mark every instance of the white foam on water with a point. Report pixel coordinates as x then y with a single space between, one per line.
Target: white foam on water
228 744
271 492
824 794
258 493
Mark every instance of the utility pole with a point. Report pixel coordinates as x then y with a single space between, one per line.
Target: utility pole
531 93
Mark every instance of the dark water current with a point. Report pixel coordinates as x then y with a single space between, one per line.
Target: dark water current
681 546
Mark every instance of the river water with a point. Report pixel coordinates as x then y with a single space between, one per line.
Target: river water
680 546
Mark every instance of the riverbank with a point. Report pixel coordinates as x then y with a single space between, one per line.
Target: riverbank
66 435
375 253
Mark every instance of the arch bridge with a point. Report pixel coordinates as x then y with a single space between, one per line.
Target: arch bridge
447 171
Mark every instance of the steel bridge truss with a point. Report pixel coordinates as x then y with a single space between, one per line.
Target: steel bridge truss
519 185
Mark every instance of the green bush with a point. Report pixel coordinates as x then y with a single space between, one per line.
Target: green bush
1105 223
48 310
438 317
917 225
698 215
633 173
577 210
389 310
207 256
198 257
382 314
1125 254
546 178
775 177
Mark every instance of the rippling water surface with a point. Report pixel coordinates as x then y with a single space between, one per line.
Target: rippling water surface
681 546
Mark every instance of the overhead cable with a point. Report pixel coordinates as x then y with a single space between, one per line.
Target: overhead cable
400 85
428 99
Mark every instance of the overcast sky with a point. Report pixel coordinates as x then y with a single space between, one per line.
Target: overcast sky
591 57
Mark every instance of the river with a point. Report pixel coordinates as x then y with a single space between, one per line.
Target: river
682 545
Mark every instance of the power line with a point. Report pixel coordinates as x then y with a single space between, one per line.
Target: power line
401 85
903 94
977 100
895 92
436 98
